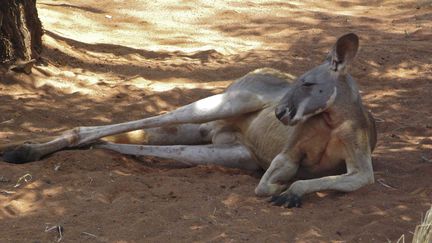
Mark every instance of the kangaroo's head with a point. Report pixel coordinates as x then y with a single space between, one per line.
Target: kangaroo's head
316 90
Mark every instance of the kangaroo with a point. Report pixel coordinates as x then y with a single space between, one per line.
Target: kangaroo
315 125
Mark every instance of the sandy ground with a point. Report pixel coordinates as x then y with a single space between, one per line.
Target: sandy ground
113 61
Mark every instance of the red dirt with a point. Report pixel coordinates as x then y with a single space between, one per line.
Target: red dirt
112 61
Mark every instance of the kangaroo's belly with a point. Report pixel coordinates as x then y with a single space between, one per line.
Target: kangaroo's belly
265 136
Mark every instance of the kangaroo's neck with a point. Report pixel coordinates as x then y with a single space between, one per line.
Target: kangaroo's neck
347 103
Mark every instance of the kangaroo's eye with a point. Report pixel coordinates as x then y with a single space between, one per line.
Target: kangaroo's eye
308 84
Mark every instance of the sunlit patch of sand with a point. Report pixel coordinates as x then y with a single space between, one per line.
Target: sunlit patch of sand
174 30
157 86
28 199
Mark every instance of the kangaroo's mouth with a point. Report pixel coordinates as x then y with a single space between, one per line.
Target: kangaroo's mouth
287 116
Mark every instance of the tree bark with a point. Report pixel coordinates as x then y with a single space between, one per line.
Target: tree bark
20 31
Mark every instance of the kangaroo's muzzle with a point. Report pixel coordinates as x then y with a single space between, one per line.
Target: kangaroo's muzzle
285 115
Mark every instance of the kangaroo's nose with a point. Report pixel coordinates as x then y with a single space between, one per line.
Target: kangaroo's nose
280 112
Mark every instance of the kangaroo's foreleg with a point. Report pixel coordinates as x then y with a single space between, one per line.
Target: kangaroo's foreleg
228 155
215 107
275 179
359 173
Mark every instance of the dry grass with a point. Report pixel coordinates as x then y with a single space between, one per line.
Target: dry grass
423 232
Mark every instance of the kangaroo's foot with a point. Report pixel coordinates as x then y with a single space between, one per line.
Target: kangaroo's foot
21 154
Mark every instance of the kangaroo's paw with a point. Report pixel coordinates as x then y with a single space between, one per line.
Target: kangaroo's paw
288 200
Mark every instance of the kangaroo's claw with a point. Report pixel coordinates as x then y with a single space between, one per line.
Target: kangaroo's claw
287 200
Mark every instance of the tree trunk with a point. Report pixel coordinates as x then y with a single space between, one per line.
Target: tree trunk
20 31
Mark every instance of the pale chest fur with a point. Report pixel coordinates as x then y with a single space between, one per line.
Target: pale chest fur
265 135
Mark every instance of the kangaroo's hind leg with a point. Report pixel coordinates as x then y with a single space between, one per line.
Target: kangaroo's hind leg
222 106
229 155
11 145
185 134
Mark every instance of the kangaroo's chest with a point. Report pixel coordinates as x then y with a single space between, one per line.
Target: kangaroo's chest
319 149
322 152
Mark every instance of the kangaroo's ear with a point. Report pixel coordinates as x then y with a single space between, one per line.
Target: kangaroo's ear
343 52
